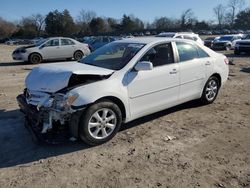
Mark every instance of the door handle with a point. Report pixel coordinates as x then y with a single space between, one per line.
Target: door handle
174 71
208 63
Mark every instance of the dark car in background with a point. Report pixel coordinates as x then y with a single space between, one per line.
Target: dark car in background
208 42
225 42
100 41
242 46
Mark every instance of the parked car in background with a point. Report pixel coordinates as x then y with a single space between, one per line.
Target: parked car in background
225 42
12 42
101 41
205 32
3 40
208 42
182 35
119 82
50 49
242 46
37 39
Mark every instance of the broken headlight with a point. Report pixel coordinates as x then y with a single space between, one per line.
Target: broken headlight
62 101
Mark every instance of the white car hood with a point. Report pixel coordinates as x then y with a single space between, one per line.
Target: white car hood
54 77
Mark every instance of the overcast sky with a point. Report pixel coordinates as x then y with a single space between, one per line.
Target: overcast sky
147 10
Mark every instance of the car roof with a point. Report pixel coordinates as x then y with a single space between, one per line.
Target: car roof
148 40
60 38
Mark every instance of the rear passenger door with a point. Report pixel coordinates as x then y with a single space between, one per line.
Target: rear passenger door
192 71
67 47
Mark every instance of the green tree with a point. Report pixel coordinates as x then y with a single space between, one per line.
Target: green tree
130 23
97 25
242 20
59 23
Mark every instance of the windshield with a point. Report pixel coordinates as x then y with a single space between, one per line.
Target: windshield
228 38
40 42
113 56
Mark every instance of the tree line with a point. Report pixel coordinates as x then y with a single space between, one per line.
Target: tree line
233 15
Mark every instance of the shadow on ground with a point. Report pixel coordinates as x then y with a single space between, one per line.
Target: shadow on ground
18 148
246 70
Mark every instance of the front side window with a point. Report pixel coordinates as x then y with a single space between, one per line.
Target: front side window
54 42
114 55
187 51
159 55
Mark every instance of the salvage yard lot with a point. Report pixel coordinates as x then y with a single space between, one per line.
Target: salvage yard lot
186 146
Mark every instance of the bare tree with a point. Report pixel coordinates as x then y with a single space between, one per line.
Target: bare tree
219 12
6 28
234 6
187 18
39 22
86 16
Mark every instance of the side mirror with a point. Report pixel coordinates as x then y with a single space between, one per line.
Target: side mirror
144 66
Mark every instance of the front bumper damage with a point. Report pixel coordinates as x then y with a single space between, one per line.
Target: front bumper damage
48 125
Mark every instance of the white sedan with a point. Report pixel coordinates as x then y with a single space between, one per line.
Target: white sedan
118 83
52 49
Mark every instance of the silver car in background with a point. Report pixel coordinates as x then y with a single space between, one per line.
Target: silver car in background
51 49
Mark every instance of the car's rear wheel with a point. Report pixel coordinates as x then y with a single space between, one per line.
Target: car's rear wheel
78 55
35 58
100 122
210 90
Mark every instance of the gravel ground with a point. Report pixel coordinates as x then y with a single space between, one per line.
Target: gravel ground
209 146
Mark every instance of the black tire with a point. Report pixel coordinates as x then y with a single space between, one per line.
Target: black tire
35 58
205 99
78 55
86 133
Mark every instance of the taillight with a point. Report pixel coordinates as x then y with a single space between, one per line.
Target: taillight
226 61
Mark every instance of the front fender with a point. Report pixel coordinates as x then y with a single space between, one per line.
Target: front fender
90 93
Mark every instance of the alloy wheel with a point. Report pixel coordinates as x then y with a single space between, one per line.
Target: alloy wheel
102 123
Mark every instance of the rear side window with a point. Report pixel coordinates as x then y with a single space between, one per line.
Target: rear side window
65 42
187 51
202 53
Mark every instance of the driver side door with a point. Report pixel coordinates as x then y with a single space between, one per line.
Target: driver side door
51 49
157 89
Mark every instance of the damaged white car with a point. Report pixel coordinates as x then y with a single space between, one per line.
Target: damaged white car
118 83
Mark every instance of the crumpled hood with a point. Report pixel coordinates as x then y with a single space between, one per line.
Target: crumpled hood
54 77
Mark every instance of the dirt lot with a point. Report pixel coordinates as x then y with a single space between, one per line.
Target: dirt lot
211 145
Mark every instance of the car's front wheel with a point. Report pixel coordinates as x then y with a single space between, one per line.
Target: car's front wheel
35 58
210 90
100 122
